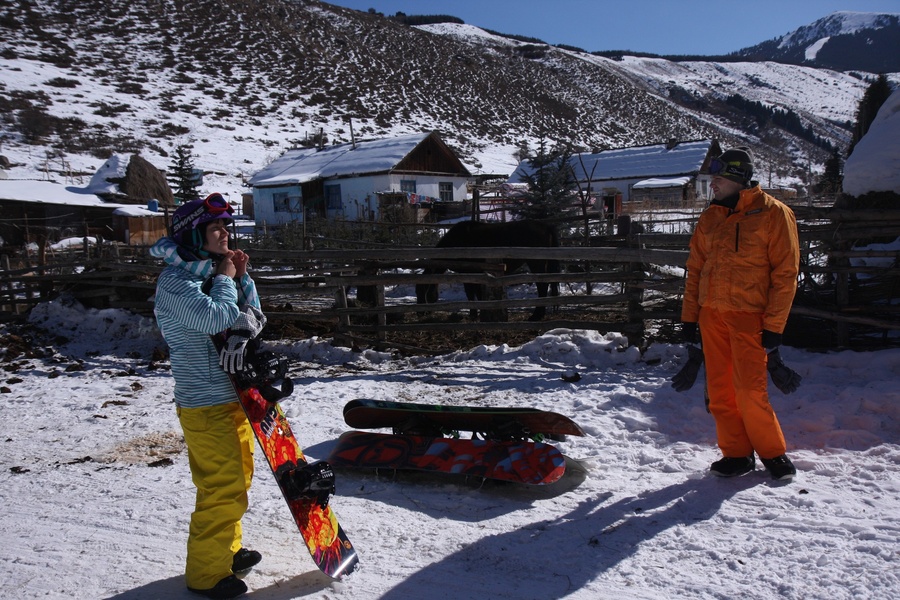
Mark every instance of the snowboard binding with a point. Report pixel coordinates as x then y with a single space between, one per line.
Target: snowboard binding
313 481
267 372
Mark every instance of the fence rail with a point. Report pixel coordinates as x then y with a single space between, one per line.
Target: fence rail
848 295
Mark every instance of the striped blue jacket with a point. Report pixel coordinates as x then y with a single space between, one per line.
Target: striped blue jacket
187 317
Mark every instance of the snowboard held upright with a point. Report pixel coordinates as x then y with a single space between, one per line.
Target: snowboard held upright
306 486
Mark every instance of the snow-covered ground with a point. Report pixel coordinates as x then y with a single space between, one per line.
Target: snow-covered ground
97 494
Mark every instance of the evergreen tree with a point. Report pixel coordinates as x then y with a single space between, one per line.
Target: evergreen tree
833 178
181 176
551 184
876 94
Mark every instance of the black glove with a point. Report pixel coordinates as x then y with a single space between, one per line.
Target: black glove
689 332
685 378
770 339
785 378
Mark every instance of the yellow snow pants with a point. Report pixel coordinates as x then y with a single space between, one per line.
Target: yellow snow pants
220 451
737 384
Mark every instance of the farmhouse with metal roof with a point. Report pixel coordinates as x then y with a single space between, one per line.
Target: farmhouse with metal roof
348 180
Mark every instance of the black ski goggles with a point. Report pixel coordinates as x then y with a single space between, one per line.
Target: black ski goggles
721 168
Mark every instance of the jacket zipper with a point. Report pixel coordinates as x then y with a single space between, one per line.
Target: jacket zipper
737 237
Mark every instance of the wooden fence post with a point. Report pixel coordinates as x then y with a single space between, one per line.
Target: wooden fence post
380 334
632 289
842 300
9 287
340 335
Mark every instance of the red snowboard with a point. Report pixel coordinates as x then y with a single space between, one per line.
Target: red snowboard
532 463
328 545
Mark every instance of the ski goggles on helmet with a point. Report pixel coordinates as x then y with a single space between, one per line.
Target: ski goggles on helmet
213 207
732 169
216 204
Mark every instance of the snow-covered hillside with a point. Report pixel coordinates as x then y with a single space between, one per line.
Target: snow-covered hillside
67 81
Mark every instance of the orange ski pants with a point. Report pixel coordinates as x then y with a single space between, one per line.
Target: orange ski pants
737 384
220 451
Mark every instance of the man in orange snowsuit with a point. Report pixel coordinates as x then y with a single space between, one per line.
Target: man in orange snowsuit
741 280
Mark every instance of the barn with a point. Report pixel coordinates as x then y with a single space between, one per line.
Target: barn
44 211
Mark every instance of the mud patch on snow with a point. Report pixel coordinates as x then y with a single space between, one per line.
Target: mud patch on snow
155 449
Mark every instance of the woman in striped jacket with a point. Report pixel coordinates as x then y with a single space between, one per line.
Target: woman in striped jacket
201 293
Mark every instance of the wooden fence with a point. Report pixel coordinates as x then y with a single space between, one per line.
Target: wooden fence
847 297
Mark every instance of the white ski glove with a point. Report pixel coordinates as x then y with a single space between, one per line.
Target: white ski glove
247 327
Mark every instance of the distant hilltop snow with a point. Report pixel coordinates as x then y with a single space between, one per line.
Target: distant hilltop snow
844 22
842 41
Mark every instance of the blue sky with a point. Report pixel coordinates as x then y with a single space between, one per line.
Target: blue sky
658 26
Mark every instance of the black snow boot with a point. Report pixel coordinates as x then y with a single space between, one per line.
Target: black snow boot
781 468
229 587
732 467
244 561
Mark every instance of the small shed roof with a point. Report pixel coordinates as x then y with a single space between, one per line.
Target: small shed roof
137 211
660 182
49 192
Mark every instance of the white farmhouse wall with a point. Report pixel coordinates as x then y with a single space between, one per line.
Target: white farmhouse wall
429 185
264 206
359 201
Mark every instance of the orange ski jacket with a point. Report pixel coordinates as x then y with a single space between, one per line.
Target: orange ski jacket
744 259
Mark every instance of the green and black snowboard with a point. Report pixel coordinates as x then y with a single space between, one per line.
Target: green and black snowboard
441 420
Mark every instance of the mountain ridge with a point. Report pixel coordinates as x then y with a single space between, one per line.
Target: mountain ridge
843 40
242 83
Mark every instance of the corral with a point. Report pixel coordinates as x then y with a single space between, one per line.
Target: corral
848 287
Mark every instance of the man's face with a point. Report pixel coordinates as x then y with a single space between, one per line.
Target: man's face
722 187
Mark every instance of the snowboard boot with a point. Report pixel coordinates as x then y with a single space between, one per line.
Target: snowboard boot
244 561
780 468
229 587
314 481
732 467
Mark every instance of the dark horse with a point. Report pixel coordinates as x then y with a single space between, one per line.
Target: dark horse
480 234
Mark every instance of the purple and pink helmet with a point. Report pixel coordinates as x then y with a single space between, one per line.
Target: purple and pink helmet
187 220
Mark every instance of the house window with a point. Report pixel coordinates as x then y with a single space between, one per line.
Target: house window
284 202
332 197
408 186
445 191
704 189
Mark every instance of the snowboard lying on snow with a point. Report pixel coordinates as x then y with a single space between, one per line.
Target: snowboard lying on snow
489 422
506 444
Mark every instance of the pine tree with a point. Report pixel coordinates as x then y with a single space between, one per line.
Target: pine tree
876 95
181 175
551 184
833 177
